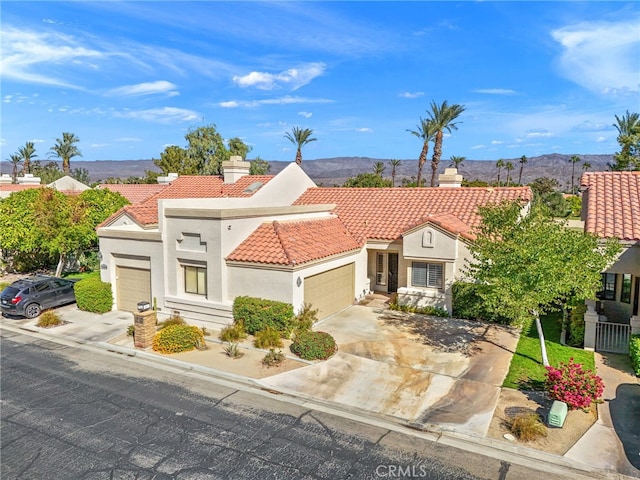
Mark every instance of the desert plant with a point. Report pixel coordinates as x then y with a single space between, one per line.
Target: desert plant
306 317
233 333
257 313
574 385
177 338
576 325
313 345
268 338
131 331
93 295
273 358
527 427
634 353
49 319
172 320
232 350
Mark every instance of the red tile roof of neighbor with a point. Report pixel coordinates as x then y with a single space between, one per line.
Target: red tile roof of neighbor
295 242
190 186
386 213
613 204
135 193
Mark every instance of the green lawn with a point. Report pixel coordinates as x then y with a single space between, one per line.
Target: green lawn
526 371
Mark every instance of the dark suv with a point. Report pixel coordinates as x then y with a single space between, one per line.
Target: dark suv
30 296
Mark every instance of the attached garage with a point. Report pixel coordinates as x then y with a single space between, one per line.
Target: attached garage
133 285
330 291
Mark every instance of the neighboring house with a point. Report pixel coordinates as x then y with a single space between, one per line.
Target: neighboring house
204 240
66 184
611 209
135 193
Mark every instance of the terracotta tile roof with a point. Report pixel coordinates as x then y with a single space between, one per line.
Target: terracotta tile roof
15 187
452 224
190 186
135 193
612 204
295 242
385 213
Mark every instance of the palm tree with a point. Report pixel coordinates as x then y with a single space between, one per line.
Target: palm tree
300 138
586 166
15 158
65 149
443 117
394 165
573 160
26 154
456 161
426 132
499 165
378 168
523 160
628 127
508 167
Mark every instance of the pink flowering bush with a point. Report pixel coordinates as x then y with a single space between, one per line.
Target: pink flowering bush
572 384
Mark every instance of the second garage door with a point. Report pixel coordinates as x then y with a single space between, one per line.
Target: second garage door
133 286
330 291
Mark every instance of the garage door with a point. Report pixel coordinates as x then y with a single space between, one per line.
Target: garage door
330 291
133 286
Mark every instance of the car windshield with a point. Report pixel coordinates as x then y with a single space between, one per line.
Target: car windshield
10 292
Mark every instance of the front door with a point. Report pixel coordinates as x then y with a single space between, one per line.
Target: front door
392 283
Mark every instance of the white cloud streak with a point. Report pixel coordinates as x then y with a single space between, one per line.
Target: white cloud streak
146 88
161 115
495 91
292 78
286 100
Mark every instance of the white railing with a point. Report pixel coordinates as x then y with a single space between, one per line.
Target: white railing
613 337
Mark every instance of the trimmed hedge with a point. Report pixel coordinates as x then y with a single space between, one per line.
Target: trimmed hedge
313 345
178 338
257 314
634 353
93 295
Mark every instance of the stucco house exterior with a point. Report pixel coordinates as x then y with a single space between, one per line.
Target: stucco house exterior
611 209
202 241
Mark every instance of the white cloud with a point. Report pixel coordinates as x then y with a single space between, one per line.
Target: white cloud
601 56
146 88
590 126
478 147
411 94
601 139
537 133
286 100
161 115
305 114
128 139
495 91
292 78
364 130
99 145
496 142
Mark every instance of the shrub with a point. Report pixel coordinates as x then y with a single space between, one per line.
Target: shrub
232 350
634 353
172 320
576 325
426 310
256 314
527 427
93 295
467 303
273 358
314 345
177 338
233 333
572 384
268 338
131 331
306 317
49 319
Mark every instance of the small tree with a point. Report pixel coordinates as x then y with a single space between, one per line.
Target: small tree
367 180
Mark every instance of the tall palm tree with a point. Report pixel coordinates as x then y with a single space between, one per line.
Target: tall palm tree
425 131
65 149
586 166
443 117
508 167
300 138
523 160
456 161
628 127
15 159
26 154
378 168
394 165
499 165
573 160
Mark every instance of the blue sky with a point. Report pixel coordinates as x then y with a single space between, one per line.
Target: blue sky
130 78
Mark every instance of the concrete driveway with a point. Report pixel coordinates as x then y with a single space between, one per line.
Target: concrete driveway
426 371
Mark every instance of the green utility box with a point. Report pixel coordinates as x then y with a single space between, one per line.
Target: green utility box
557 414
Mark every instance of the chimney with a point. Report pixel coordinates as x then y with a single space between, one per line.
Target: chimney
234 169
168 179
28 179
450 178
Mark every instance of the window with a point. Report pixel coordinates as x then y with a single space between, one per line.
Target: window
426 274
381 277
608 286
625 292
195 280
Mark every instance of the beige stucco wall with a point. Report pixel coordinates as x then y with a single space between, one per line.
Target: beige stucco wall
628 262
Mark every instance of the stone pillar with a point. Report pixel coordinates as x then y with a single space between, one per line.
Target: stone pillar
145 328
635 324
590 321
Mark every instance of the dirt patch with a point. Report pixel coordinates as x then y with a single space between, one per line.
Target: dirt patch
558 440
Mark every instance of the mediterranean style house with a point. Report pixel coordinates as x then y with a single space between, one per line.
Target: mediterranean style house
611 209
201 241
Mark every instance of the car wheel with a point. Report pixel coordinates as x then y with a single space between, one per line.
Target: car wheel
32 310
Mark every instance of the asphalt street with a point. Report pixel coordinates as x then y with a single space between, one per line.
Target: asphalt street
75 413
